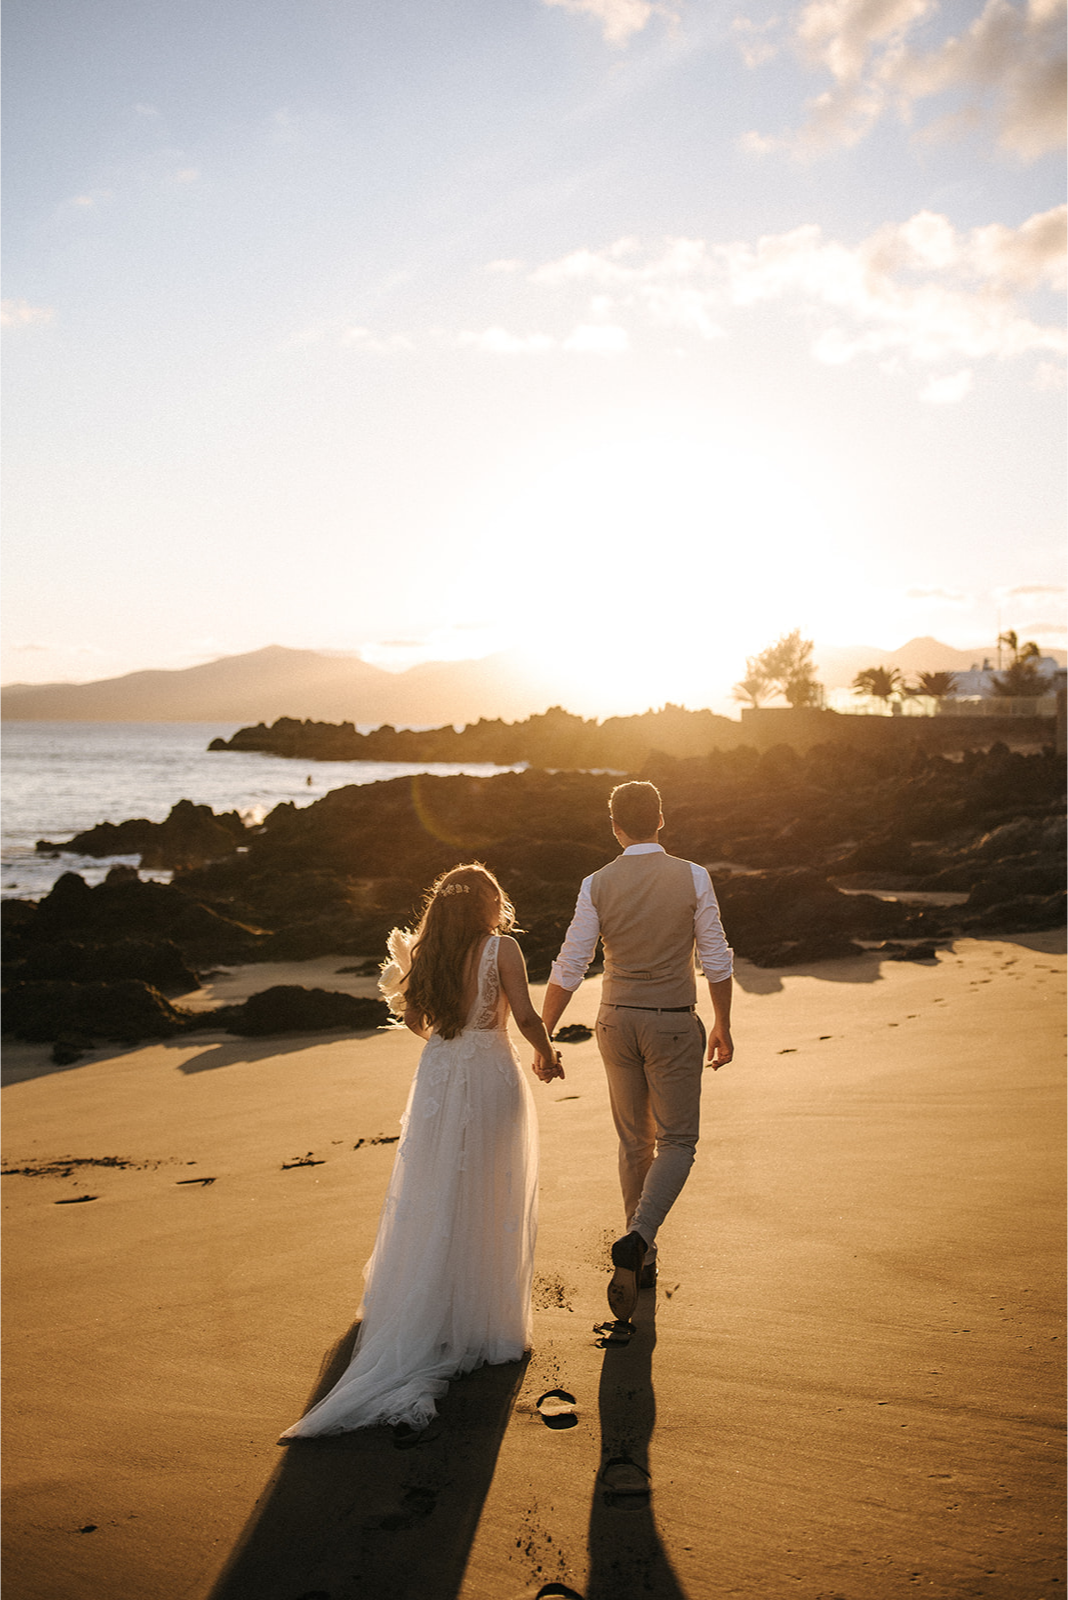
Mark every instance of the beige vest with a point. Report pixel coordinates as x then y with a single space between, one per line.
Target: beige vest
646 905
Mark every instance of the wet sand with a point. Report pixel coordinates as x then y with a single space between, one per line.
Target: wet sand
847 1386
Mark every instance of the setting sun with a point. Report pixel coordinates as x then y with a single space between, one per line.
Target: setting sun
664 549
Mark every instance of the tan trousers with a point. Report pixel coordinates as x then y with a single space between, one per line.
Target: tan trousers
654 1062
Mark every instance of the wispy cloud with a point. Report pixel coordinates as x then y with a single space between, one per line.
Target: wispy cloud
589 338
21 314
619 19
1005 72
598 338
918 290
499 342
953 597
1037 588
948 390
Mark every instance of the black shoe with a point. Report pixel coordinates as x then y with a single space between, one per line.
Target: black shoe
628 1257
648 1277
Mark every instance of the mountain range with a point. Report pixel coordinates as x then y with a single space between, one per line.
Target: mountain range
263 685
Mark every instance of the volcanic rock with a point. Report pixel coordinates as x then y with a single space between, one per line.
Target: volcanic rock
190 836
127 1011
290 1008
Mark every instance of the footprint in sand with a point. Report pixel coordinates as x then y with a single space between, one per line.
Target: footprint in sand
625 1486
557 1409
302 1161
614 1333
557 1591
76 1200
406 1437
415 1505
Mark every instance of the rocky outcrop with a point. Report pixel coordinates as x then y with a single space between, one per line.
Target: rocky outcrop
289 1008
77 1016
81 1013
554 738
191 836
790 838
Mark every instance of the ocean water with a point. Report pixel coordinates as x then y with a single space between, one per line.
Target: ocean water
59 778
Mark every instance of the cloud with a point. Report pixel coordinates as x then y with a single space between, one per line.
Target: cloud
499 342
504 265
590 338
953 597
756 40
1008 67
595 338
948 390
1037 588
619 19
916 291
86 201
20 314
187 175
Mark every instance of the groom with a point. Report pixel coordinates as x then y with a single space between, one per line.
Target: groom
651 911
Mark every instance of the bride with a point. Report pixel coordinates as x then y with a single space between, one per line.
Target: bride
447 1287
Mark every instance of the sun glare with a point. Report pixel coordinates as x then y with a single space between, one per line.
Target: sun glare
656 557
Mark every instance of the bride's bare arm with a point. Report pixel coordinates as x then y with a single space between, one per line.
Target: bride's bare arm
513 971
413 1020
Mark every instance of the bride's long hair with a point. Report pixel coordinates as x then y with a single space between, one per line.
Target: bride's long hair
461 907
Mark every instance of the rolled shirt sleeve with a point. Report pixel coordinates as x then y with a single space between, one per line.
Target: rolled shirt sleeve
580 941
713 951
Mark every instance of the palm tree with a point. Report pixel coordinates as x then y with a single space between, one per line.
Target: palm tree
755 686
882 683
938 685
1021 679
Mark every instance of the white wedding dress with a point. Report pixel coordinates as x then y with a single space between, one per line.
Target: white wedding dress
448 1283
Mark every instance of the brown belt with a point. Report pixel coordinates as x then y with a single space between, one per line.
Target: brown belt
622 1006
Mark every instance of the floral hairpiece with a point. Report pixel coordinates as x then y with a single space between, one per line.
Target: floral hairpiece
456 888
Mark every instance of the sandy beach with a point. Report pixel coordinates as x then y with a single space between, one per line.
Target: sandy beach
847 1386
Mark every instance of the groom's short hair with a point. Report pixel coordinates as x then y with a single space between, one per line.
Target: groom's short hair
635 808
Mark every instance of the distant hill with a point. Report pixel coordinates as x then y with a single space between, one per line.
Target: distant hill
277 682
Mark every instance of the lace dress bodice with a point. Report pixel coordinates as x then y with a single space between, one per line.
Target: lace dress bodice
490 1009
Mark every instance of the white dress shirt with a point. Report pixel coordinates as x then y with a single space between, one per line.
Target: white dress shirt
576 953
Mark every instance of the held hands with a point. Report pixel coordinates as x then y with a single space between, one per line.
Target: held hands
720 1047
547 1068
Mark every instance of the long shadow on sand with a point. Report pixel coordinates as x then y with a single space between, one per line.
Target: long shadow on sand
231 1052
352 1515
627 1558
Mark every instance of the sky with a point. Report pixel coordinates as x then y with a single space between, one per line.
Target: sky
630 334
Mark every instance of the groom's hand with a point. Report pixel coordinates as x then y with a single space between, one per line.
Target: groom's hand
720 1047
548 1070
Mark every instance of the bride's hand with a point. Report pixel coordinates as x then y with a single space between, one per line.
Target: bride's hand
547 1069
